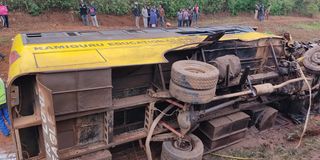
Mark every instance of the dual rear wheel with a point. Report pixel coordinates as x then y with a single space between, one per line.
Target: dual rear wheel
193 82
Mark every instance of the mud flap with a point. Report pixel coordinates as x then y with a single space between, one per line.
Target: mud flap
49 129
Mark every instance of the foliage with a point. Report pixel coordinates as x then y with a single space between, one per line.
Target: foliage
236 6
122 7
282 7
33 8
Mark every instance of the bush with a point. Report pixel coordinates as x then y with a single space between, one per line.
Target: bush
308 7
33 8
236 6
282 7
121 7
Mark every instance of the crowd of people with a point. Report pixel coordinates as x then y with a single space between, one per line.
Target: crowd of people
187 16
86 11
151 16
155 16
4 12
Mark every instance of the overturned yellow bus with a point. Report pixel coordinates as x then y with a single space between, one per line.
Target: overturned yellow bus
79 94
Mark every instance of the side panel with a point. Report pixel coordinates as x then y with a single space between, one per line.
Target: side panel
48 122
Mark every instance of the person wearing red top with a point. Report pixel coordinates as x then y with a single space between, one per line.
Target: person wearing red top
4 12
196 13
185 17
161 15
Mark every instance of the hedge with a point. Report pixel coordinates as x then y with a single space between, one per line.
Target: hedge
122 7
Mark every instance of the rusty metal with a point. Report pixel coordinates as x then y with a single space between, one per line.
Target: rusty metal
99 155
131 101
220 106
227 79
164 124
14 95
223 142
263 89
222 126
260 87
80 91
162 78
250 47
48 122
203 55
29 121
312 60
149 116
276 63
244 76
159 94
184 121
176 104
164 137
108 126
266 118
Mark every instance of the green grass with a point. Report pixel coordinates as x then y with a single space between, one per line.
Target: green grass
276 152
5 39
308 26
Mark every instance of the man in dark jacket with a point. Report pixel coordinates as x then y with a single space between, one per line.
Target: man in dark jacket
136 13
84 13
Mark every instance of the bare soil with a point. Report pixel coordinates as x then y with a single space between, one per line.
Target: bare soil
272 144
69 21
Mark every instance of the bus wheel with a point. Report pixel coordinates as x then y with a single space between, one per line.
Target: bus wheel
184 149
194 75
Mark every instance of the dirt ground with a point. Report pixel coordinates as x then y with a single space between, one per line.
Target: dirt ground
271 144
302 28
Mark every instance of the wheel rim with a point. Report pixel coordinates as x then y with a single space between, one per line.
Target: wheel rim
183 144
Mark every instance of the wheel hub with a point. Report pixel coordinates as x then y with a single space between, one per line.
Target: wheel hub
316 58
312 61
183 144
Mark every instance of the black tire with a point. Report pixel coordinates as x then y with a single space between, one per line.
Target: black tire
169 152
312 61
194 74
191 96
267 119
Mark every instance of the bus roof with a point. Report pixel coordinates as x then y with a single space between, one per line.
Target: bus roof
80 36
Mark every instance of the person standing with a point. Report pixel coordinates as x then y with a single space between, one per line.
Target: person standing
267 14
4 12
93 15
4 114
161 16
136 13
149 10
180 19
145 16
185 16
84 13
196 14
190 16
153 17
256 10
261 12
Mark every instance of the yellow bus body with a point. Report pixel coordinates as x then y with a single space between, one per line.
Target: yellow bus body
48 57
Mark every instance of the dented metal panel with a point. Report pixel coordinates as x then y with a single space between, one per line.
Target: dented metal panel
79 91
48 122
